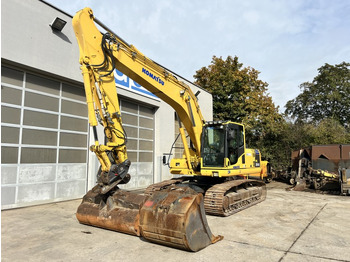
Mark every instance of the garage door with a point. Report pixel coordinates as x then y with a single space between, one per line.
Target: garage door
138 122
44 139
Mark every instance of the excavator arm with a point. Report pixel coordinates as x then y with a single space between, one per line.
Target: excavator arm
100 54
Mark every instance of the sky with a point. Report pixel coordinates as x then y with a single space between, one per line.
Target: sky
285 40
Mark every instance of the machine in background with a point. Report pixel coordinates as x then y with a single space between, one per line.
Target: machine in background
321 167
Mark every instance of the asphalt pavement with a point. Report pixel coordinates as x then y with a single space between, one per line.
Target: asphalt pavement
287 226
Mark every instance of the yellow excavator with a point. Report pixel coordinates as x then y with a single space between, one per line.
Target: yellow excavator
217 174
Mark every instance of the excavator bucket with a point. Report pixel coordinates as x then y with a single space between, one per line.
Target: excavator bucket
173 217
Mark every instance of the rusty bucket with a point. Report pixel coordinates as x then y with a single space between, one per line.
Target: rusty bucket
176 217
173 217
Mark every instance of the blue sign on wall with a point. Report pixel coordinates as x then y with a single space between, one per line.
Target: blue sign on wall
125 82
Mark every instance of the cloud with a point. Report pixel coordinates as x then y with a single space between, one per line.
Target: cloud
285 40
252 17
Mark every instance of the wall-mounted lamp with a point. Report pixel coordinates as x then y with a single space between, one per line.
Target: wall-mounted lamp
58 24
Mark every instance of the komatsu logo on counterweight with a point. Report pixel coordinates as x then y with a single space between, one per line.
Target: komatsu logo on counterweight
156 78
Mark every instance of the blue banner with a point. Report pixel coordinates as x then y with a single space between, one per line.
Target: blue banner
125 82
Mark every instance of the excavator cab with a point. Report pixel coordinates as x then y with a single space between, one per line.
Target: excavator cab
222 144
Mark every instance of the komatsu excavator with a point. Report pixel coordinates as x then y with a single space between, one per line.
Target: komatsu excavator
217 174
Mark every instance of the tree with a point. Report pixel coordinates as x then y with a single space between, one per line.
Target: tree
238 95
327 96
328 131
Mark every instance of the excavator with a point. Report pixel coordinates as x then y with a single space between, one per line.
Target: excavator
216 175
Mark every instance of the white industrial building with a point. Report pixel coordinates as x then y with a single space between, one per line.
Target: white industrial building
44 125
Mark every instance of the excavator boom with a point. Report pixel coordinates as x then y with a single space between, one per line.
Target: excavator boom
100 54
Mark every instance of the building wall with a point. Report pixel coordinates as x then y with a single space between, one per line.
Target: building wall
27 38
31 47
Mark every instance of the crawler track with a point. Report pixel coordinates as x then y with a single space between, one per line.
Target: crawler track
233 196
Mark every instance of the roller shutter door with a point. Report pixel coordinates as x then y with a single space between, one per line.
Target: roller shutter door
44 139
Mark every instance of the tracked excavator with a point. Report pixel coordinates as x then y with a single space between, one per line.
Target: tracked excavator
217 174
